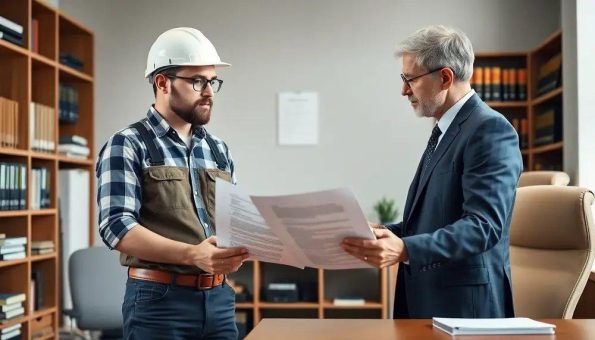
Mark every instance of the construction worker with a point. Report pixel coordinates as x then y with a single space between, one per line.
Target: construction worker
156 198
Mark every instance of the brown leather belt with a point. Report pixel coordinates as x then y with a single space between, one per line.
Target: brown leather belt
200 281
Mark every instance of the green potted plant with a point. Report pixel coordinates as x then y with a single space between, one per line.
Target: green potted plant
386 210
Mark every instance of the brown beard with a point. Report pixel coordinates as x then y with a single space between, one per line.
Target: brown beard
190 113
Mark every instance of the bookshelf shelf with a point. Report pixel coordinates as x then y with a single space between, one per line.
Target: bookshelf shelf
32 74
10 263
43 60
549 147
14 213
244 305
43 156
295 305
71 75
533 118
512 104
43 312
547 96
316 287
44 212
37 258
367 305
75 161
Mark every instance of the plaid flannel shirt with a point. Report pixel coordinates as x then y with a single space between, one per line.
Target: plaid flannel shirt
120 166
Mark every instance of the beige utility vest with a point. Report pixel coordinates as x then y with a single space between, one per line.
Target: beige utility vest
167 207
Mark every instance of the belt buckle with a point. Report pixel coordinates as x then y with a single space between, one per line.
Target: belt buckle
199 281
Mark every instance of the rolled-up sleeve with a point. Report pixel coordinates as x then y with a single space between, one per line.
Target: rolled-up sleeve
119 175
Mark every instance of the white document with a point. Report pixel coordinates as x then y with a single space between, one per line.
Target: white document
298 118
303 230
454 326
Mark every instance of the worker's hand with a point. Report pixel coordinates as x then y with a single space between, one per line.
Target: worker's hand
387 249
208 257
375 226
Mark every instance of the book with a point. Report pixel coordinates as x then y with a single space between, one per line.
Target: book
42 251
11 249
487 83
6 308
73 139
11 335
8 298
74 148
11 38
496 83
37 276
13 26
42 244
13 256
502 326
13 241
12 313
11 328
349 301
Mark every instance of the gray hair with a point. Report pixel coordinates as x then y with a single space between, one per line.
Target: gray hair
440 46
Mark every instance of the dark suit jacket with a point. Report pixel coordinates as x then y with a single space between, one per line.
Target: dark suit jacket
456 221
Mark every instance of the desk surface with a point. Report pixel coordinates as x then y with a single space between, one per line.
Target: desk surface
344 329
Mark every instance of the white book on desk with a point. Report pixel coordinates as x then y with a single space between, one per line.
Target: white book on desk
454 326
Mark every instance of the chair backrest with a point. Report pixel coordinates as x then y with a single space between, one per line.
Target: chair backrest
529 178
551 249
97 285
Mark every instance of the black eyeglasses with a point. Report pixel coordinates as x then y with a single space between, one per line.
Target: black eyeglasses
408 81
199 84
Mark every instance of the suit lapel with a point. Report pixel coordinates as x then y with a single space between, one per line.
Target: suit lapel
445 143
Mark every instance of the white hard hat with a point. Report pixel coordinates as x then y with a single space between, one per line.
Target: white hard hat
182 46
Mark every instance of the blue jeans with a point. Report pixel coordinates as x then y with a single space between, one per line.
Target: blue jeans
168 311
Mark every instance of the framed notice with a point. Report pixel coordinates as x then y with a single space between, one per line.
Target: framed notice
298 118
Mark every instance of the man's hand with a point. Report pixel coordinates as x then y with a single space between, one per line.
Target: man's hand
208 257
386 250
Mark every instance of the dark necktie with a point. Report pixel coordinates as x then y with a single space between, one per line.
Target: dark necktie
432 142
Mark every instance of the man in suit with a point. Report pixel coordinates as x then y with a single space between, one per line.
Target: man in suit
453 242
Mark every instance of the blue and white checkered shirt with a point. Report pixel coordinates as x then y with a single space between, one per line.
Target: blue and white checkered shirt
120 166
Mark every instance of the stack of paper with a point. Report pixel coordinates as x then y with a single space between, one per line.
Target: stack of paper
492 326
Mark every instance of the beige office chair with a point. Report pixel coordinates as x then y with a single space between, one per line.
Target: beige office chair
529 178
551 249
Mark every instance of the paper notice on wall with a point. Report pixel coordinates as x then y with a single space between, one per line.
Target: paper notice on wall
298 118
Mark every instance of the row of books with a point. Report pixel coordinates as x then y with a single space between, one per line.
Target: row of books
9 123
69 104
13 186
11 306
548 125
500 84
11 31
12 248
40 188
74 146
550 75
42 247
42 127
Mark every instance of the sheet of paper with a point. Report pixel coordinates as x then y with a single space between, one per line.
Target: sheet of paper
298 118
316 223
239 223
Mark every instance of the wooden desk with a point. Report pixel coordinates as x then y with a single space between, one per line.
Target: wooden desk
345 329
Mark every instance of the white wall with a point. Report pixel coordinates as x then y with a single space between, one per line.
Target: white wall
579 87
370 139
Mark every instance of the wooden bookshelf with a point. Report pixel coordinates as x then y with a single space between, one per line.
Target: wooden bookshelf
536 156
34 76
370 284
